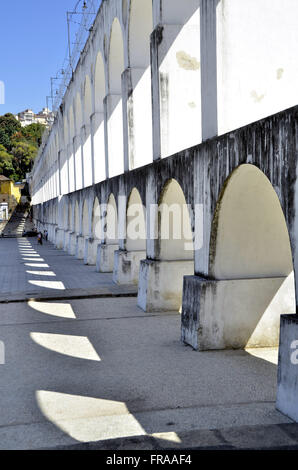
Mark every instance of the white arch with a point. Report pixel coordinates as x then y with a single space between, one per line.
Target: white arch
251 261
140 28
97 220
71 164
176 242
77 218
99 83
114 102
139 102
111 222
77 142
116 58
177 77
87 156
98 121
135 223
249 234
85 219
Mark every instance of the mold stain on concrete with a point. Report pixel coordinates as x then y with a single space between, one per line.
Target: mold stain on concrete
185 61
257 98
279 73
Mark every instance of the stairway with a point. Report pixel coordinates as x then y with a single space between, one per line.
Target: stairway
15 226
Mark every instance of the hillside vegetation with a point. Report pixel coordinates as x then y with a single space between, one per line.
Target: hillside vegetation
18 147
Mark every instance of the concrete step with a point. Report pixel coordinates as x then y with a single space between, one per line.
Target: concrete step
270 437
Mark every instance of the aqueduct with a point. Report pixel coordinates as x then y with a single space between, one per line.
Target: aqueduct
175 112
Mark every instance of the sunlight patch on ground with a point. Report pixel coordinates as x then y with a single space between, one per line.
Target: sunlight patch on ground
167 436
37 265
56 309
87 418
42 273
33 259
267 354
69 345
48 284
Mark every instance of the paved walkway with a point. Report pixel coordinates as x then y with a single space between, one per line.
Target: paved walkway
102 370
28 269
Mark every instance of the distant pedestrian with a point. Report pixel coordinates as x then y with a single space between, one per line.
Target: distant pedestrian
39 238
45 235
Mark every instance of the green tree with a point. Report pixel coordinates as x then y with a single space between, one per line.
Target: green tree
18 146
9 126
34 132
6 164
24 153
4 138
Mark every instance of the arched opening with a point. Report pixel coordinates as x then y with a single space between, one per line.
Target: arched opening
138 76
77 218
111 225
250 261
176 70
65 216
77 142
64 158
85 219
173 253
96 221
113 102
135 223
249 234
174 226
87 156
70 218
71 167
98 121
96 231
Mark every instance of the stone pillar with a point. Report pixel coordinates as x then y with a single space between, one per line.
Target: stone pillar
72 243
59 238
227 314
66 240
127 266
90 253
287 384
160 284
105 257
80 247
54 233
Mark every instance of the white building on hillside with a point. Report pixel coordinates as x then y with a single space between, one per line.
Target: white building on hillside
27 117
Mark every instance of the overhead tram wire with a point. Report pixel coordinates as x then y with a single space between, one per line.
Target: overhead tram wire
86 11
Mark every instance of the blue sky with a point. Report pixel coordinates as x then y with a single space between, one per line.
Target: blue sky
33 42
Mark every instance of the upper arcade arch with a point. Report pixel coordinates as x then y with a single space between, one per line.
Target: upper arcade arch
86 134
98 126
113 101
137 79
